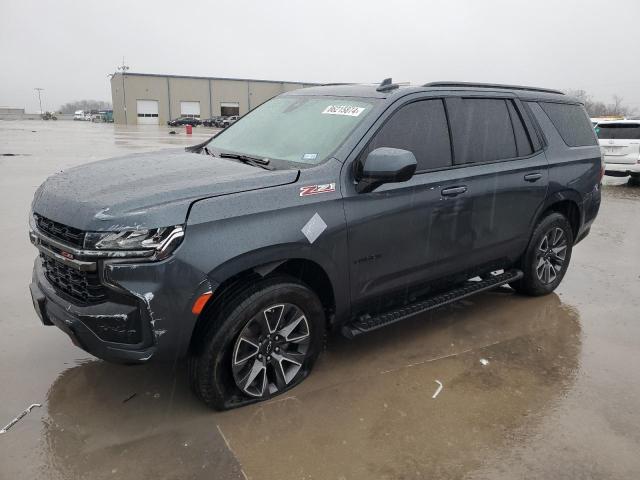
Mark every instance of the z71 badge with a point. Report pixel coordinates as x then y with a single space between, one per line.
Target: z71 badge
316 189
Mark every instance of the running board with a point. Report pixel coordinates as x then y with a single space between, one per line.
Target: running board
366 323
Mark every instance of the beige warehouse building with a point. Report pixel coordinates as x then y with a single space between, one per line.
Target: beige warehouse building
152 99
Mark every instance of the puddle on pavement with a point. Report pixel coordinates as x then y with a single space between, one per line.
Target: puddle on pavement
623 191
366 411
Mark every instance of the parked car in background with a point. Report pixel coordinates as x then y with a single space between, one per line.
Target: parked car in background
620 146
345 208
228 121
596 120
78 115
105 116
212 121
219 120
194 122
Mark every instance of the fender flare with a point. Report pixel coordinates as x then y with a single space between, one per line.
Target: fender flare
265 260
556 197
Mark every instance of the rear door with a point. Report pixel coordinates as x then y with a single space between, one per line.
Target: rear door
505 175
619 142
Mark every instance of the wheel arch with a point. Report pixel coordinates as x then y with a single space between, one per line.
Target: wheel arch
235 275
569 204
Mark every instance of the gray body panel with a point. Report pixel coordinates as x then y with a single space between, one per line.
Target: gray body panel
145 190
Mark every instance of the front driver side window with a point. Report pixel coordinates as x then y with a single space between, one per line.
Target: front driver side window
420 127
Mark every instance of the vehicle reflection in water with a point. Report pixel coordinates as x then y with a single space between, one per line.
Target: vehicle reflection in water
366 412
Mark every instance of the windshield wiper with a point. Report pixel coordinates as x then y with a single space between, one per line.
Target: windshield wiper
253 161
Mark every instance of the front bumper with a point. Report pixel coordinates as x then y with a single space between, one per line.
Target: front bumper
146 312
90 326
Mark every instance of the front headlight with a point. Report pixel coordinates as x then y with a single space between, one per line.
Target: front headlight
163 240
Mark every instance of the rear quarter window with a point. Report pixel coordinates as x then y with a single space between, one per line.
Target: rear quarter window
572 123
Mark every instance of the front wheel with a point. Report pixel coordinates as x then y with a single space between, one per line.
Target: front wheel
546 260
260 342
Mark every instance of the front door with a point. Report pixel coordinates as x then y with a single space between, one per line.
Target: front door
403 234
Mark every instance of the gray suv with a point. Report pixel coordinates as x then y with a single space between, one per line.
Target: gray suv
343 208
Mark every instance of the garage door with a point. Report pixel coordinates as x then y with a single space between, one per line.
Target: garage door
228 109
147 112
190 109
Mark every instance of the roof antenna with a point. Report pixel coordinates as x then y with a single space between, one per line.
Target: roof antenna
386 85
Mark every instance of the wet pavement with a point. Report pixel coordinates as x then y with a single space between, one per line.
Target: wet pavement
557 399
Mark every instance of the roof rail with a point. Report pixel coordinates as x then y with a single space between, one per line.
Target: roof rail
386 85
492 85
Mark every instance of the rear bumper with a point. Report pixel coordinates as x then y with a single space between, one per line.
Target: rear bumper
621 169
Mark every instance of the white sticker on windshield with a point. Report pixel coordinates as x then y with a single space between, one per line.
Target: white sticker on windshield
343 110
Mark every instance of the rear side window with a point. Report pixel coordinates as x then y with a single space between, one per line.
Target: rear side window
623 131
420 127
481 130
572 123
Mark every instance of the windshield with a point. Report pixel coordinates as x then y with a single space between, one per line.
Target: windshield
622 131
298 129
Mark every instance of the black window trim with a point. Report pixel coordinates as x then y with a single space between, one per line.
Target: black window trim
513 128
532 123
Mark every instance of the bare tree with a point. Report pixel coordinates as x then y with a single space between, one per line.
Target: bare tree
617 107
86 105
597 108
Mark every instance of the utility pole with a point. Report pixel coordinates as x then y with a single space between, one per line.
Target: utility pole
123 68
39 98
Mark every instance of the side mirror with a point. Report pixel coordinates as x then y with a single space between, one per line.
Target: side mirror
385 165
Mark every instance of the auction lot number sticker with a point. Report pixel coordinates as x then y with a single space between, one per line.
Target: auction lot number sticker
347 110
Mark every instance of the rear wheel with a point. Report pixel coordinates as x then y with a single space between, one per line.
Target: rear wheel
546 260
260 343
634 180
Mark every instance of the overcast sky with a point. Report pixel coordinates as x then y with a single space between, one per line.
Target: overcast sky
69 47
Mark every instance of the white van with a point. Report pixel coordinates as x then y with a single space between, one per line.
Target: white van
78 115
620 146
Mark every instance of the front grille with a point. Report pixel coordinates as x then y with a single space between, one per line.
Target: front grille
61 232
83 287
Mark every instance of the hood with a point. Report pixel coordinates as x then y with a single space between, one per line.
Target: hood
145 190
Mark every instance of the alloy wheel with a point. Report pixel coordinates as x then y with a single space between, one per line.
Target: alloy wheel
550 256
271 349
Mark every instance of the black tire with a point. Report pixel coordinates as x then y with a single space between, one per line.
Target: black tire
634 181
215 369
547 257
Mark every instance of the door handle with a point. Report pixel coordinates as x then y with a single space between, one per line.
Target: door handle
533 177
453 191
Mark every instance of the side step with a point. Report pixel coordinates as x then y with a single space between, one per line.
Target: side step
366 324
